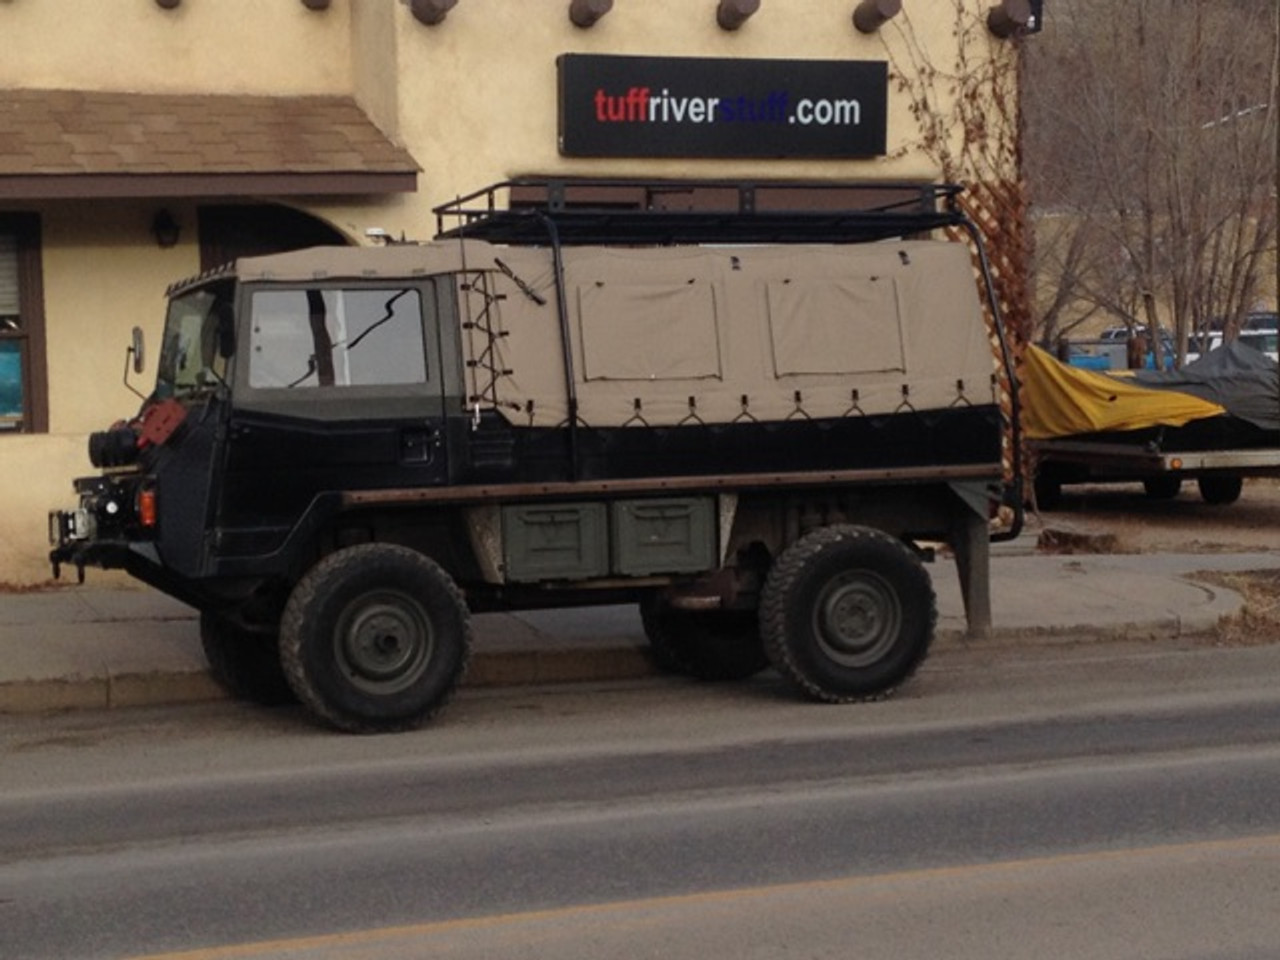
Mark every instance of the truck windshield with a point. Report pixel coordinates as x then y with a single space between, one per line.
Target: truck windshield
190 361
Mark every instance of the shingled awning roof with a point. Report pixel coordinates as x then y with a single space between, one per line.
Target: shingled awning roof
76 144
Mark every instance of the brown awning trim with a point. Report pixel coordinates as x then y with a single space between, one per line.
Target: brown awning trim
85 143
73 187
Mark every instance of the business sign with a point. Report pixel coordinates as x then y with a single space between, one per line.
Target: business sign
693 107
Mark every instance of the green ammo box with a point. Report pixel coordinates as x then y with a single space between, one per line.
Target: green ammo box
671 535
564 541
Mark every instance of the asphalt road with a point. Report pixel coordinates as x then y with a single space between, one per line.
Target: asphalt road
1101 802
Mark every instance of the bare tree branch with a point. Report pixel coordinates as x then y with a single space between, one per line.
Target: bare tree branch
1151 133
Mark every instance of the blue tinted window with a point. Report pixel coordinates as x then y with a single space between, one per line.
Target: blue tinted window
10 384
22 400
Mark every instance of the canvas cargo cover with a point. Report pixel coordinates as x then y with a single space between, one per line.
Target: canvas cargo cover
1241 379
659 335
1062 401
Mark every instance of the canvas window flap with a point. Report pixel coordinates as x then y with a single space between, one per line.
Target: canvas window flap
648 332
821 326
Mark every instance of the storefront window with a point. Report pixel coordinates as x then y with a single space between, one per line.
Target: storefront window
23 390
12 338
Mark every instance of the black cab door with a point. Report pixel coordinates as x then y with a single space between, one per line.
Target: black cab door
337 386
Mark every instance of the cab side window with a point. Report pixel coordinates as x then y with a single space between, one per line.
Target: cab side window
329 337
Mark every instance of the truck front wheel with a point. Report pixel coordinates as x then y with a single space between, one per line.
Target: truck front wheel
375 638
847 613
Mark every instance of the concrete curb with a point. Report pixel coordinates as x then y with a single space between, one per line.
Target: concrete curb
1220 604
110 648
611 661
106 693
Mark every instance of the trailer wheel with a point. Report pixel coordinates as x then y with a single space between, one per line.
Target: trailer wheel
1220 489
375 638
1164 487
1048 492
847 613
715 645
244 663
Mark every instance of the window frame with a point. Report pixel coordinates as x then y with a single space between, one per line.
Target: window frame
31 338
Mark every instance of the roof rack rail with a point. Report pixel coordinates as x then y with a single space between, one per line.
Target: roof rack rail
538 211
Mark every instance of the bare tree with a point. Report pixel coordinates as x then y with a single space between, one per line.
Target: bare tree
1150 140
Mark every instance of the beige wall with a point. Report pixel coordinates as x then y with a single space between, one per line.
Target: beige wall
477 94
37 477
104 274
374 61
474 101
274 47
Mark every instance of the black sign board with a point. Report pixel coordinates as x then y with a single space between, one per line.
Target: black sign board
693 107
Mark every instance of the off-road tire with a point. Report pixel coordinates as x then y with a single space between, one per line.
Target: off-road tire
1162 488
1220 490
847 613
1048 492
714 645
375 638
244 663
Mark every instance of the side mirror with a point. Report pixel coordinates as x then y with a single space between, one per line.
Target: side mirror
138 350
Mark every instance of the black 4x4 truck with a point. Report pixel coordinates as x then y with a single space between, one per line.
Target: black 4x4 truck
750 421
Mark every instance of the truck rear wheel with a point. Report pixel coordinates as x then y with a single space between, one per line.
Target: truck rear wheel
713 645
375 638
847 613
1048 493
244 663
1220 490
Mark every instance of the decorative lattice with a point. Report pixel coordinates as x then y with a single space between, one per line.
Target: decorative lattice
482 329
968 114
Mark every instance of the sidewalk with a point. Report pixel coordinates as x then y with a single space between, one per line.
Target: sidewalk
93 647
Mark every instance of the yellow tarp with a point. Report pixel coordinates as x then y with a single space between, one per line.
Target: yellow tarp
1059 401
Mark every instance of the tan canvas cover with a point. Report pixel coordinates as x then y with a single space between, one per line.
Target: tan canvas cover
679 341
1062 401
660 335
835 326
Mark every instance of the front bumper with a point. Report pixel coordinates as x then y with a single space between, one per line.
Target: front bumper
100 531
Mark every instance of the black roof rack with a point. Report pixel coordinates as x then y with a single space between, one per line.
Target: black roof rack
538 211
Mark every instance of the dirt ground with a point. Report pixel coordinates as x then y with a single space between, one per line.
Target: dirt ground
1120 518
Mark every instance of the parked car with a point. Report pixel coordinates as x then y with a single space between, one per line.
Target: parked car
1110 350
1261 320
1263 340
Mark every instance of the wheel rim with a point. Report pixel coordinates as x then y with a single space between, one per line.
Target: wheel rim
857 619
383 642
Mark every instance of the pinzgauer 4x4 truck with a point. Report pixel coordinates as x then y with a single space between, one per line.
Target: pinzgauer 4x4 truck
746 420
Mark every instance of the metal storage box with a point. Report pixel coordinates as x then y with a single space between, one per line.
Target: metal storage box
670 535
567 541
